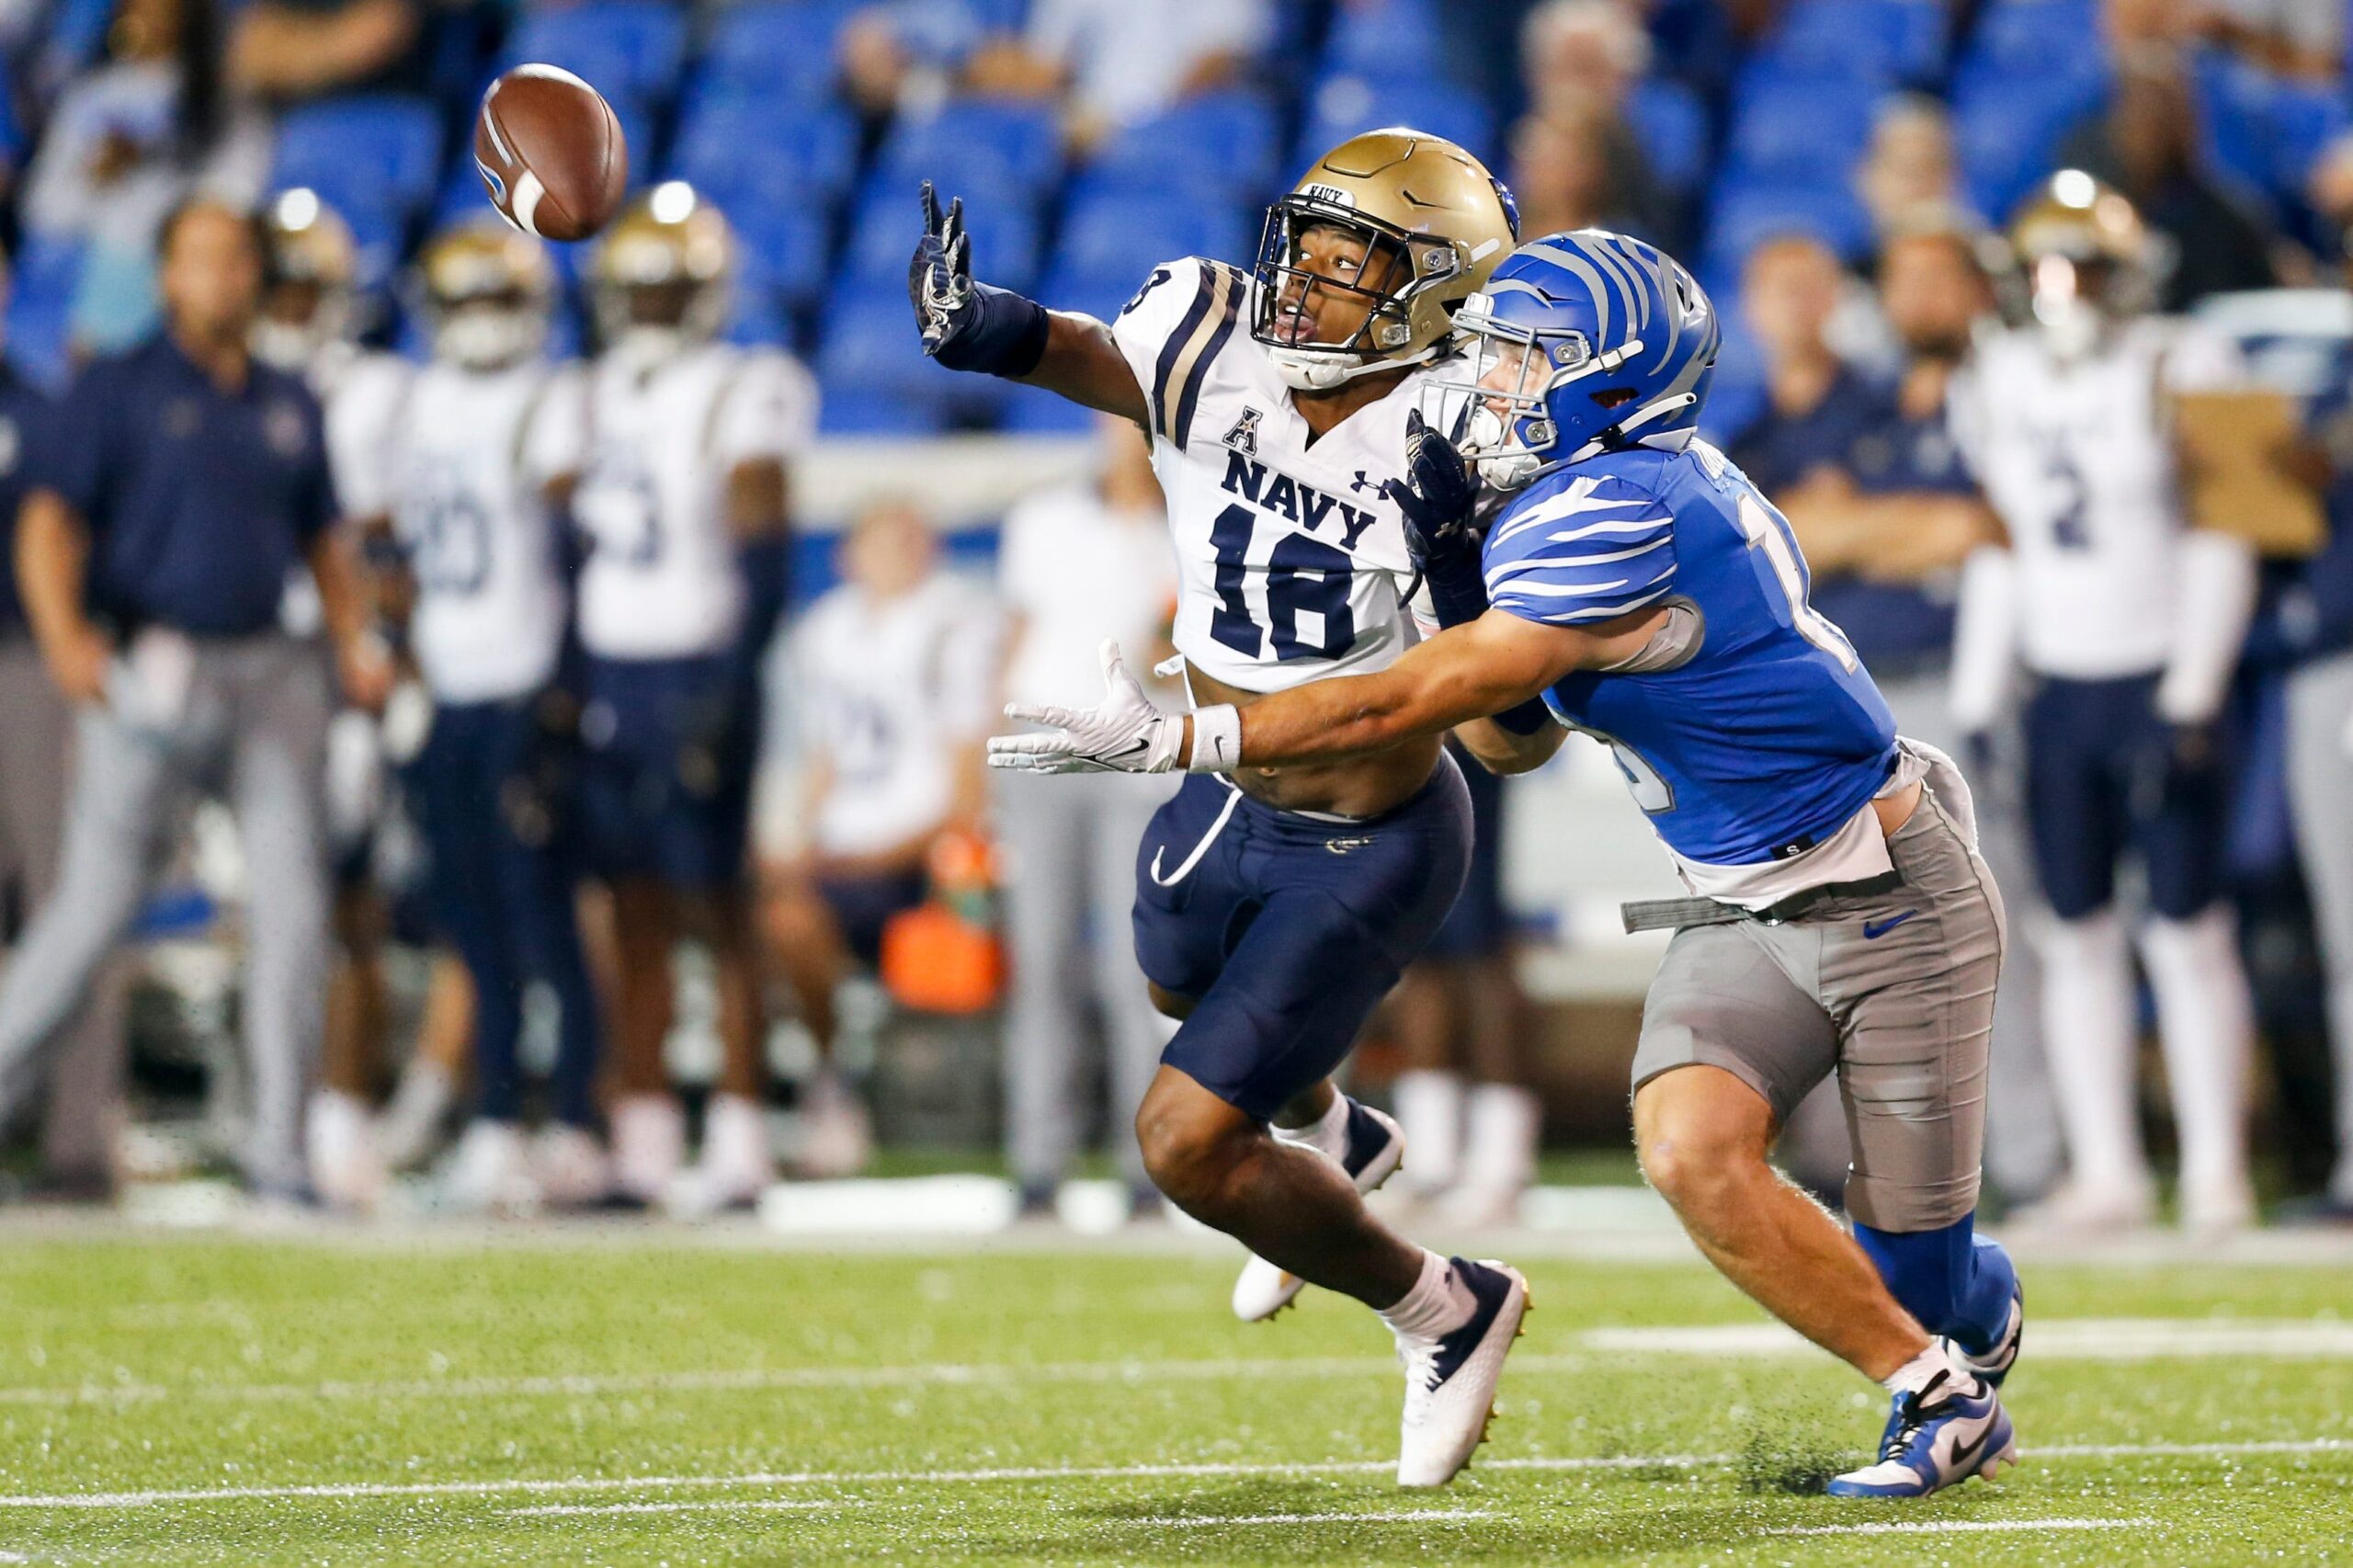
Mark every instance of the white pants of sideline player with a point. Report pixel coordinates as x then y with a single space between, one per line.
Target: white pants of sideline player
2320 786
2024 1150
254 712
1070 881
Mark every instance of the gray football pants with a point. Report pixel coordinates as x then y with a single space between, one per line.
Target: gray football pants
1893 991
1071 845
2320 790
255 715
83 1109
2025 1154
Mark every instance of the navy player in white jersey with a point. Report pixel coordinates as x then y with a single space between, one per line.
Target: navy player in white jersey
460 461
1276 906
1636 586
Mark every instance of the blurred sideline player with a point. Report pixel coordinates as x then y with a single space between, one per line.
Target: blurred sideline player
683 507
1276 908
2130 619
1464 1100
461 459
1644 591
309 326
891 678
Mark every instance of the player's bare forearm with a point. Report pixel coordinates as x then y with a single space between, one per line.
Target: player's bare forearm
759 499
1083 364
1915 536
1499 750
52 545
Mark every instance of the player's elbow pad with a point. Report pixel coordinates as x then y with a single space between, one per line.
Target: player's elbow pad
2211 608
1003 334
1985 640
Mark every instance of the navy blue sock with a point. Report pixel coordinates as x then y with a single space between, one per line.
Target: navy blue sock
1956 1282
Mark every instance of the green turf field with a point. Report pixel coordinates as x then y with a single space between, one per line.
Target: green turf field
176 1400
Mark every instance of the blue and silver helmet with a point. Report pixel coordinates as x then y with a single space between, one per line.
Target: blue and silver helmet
1581 342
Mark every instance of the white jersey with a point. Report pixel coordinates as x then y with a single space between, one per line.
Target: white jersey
460 461
2076 456
1290 566
888 693
661 580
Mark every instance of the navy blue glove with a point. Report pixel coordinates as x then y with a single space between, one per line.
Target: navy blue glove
1438 497
968 325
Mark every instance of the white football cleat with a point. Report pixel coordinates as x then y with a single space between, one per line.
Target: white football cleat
570 1167
649 1145
1451 1380
1376 1148
736 1168
341 1152
411 1125
490 1173
836 1133
2090 1209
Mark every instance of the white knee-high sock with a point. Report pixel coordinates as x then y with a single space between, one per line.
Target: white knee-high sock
2206 1017
2087 1029
1504 1124
1429 1111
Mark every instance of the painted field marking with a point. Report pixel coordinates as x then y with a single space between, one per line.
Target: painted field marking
1390 1517
1971 1526
558 1485
2055 1339
765 1504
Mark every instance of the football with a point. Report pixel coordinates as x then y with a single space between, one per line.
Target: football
550 152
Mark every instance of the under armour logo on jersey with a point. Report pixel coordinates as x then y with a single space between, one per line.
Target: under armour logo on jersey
1346 846
1362 482
1243 436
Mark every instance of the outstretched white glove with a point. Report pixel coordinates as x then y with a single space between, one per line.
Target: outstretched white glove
1128 733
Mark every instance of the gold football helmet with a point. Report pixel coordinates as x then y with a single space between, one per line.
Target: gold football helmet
487 291
312 264
663 272
1361 267
2086 257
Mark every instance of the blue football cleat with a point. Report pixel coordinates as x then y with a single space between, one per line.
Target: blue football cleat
1937 1437
1995 1364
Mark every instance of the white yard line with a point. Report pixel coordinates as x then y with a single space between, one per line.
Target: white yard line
2055 1339
760 1504
1971 1526
513 1486
1391 1517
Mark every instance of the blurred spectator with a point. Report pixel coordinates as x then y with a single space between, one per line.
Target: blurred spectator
1580 169
905 54
36 766
185 481
1580 54
893 675
1116 62
2145 144
1911 163
126 143
1816 405
290 50
2295 37
1077 565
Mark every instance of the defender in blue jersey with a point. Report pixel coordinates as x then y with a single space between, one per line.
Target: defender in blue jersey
1635 586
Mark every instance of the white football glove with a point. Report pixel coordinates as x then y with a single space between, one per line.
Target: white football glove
1128 733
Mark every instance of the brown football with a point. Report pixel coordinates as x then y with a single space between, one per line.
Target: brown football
550 153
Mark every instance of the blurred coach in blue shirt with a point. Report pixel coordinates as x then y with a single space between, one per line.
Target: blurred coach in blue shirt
184 482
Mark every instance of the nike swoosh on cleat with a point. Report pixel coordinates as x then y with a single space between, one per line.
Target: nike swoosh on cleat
1874 929
1965 1453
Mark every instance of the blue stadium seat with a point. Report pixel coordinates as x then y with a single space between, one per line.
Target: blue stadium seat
41 308
1383 38
1744 216
974 146
1032 411
787 250
1672 125
2032 41
1800 132
1120 239
1099 295
875 375
1346 105
625 49
775 49
883 230
2007 133
2305 119
379 150
745 151
1220 142
1883 41
2236 103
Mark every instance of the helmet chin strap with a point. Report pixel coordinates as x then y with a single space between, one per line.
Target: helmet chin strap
1316 372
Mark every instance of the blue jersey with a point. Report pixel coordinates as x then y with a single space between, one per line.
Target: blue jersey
1772 737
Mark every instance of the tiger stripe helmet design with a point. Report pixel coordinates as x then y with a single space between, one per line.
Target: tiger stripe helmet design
1581 342
1431 223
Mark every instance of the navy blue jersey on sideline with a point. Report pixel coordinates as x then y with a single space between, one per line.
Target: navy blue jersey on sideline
24 415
